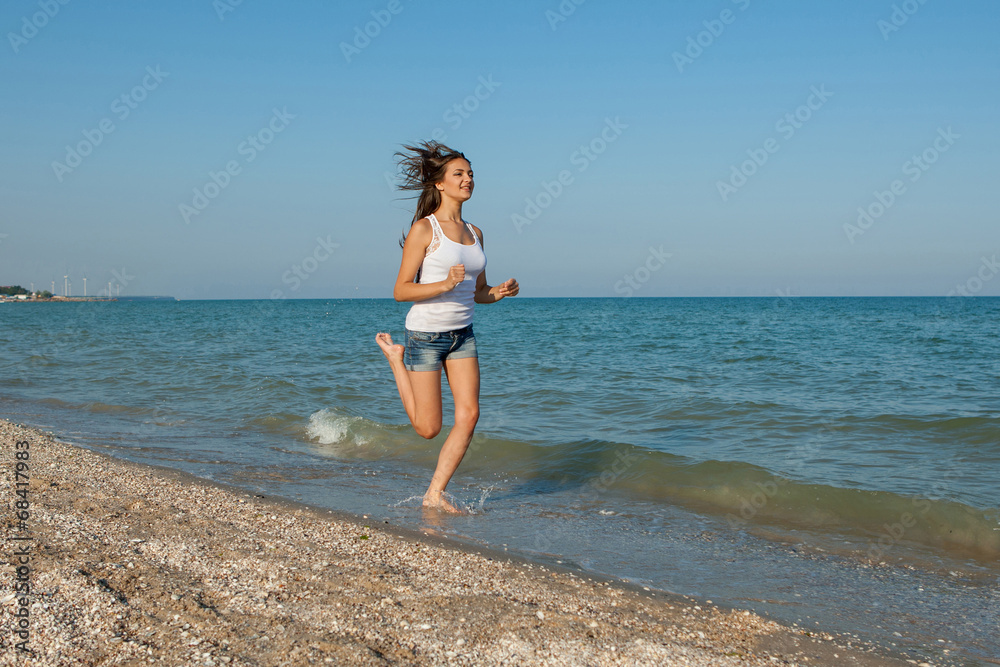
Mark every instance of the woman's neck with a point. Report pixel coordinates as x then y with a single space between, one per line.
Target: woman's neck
449 210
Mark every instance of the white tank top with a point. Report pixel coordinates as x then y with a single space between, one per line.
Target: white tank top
451 310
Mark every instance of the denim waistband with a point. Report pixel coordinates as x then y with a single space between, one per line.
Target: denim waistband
453 333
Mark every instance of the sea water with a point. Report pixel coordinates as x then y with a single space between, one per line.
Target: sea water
831 462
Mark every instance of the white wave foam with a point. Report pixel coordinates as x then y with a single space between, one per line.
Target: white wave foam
329 428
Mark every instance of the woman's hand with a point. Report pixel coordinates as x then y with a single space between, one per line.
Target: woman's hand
508 288
456 275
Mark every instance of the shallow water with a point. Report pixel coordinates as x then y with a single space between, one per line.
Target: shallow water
763 453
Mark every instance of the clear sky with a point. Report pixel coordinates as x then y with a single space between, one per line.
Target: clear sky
228 149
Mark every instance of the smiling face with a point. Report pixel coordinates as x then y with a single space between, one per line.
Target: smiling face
457 183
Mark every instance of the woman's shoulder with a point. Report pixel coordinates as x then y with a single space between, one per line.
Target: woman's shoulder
420 235
422 228
422 224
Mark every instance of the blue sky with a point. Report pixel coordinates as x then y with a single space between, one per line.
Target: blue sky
705 148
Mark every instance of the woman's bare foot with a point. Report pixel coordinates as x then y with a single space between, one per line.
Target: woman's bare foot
436 500
392 352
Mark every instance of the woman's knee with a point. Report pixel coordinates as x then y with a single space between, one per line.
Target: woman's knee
467 416
427 430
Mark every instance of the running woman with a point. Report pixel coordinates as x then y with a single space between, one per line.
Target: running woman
443 272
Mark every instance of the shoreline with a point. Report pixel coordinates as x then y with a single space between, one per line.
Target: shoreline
144 564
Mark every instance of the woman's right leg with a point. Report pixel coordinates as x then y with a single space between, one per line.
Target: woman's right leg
420 391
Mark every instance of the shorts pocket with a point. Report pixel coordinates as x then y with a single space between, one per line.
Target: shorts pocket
422 336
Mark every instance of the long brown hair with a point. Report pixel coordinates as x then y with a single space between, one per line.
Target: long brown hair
424 166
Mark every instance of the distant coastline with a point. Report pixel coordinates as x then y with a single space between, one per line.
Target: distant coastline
64 299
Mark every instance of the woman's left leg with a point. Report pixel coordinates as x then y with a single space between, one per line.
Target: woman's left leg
463 378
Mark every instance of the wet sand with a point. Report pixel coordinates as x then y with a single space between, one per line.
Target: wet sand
130 564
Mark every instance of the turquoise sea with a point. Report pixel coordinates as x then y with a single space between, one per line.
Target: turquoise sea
830 462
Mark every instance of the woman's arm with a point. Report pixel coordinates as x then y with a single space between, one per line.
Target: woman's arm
487 294
413 256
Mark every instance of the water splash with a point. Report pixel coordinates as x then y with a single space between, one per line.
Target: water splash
403 502
466 508
330 428
477 508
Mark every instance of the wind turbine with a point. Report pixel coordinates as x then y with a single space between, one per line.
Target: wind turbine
85 288
65 285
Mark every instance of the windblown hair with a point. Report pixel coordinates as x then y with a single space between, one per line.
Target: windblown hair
422 167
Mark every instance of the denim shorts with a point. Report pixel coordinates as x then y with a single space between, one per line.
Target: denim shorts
426 350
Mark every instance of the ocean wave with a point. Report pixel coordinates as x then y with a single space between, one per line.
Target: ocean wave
744 494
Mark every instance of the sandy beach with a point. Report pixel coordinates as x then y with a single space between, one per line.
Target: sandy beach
129 564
